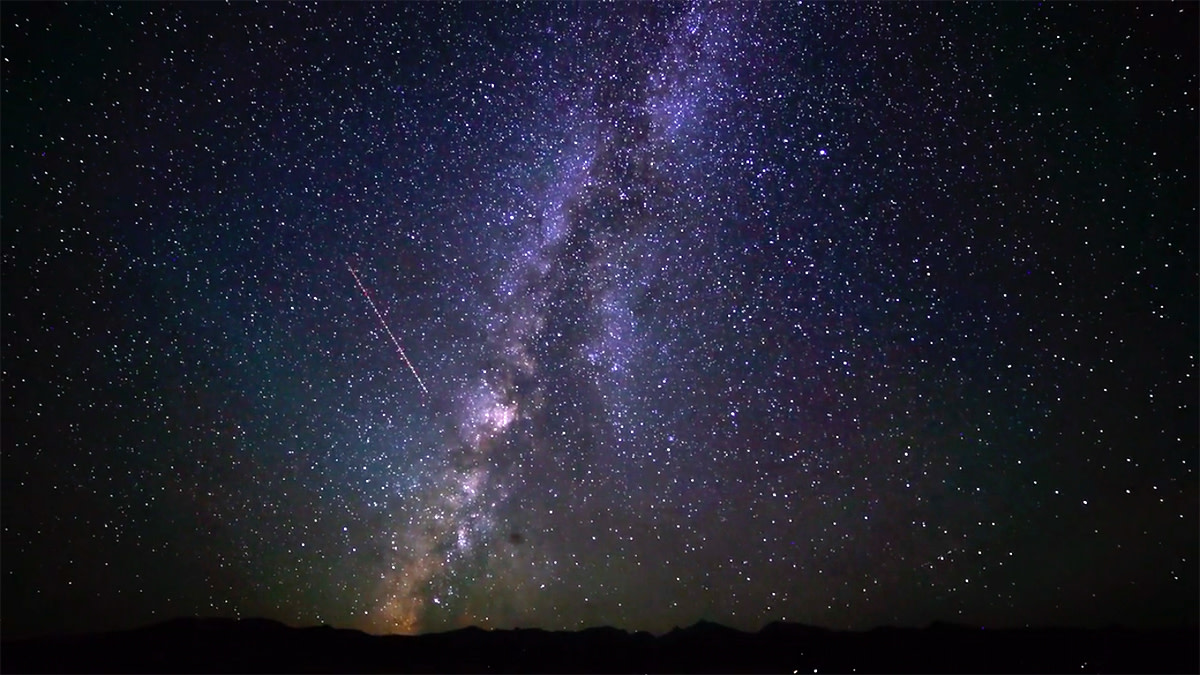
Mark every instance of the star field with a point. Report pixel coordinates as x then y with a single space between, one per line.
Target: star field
840 314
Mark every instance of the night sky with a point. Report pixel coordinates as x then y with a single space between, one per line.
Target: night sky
838 314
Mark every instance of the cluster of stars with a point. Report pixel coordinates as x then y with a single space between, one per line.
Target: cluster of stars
841 314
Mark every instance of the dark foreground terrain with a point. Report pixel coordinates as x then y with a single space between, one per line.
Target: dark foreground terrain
256 645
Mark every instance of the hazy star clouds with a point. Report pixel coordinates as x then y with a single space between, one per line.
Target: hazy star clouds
561 329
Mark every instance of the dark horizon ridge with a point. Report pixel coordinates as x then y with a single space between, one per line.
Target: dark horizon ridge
197 644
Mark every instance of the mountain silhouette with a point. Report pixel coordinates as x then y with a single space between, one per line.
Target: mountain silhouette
261 645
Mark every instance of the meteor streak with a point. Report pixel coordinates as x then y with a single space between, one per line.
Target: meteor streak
379 315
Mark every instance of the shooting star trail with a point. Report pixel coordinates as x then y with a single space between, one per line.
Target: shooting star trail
379 316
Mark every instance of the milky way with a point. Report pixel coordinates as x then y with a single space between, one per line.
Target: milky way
410 317
568 333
